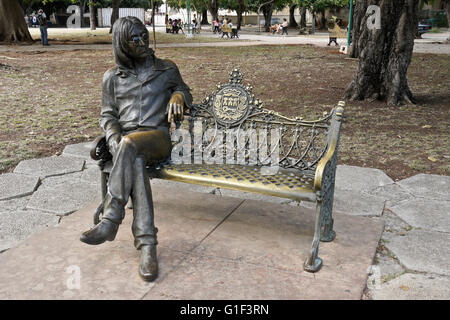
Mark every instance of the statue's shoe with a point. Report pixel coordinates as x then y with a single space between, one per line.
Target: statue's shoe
106 230
148 266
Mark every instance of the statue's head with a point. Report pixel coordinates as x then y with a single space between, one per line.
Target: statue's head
130 41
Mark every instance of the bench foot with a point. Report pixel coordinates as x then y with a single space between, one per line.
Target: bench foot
314 267
328 237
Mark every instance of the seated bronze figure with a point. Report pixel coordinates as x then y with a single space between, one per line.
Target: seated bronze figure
141 96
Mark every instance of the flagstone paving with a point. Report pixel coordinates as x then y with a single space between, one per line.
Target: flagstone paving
411 261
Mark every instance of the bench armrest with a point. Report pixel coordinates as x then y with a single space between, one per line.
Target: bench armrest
327 165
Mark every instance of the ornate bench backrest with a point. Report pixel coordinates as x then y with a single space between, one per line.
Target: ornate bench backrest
233 111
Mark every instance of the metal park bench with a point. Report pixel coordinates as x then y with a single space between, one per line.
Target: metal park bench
305 153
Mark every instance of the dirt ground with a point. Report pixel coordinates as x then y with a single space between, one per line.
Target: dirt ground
51 99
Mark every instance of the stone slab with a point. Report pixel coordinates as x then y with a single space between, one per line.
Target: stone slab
13 185
185 218
50 166
91 174
431 186
62 179
210 278
360 179
353 203
108 271
422 251
16 226
186 221
392 193
14 204
414 287
64 198
46 265
427 214
279 237
78 150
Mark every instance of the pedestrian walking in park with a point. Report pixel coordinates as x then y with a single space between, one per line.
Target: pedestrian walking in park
284 27
216 26
42 21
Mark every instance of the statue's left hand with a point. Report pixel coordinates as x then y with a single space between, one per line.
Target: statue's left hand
176 107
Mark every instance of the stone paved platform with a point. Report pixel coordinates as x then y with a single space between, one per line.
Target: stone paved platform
210 247
411 260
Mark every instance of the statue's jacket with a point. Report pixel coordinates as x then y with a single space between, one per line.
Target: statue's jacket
129 103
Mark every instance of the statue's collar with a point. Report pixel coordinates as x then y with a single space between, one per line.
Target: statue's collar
154 63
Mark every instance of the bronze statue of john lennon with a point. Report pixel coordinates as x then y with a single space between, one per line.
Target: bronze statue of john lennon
141 95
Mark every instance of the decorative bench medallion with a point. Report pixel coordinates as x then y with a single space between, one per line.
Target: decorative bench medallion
231 102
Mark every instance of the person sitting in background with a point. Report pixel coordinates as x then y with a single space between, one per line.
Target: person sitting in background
194 26
275 28
169 26
175 26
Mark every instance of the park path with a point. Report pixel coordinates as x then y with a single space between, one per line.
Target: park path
431 43
412 257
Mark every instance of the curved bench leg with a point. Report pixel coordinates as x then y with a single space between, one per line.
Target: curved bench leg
313 263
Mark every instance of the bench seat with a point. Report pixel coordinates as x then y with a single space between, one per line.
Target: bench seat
290 184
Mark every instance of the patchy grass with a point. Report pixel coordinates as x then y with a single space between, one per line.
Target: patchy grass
51 99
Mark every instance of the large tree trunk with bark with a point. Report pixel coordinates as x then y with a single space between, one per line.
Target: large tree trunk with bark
204 16
292 22
92 15
385 51
213 8
115 13
12 23
267 10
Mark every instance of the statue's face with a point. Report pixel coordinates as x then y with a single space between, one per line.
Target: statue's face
138 42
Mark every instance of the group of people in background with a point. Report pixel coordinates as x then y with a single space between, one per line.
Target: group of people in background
224 26
174 26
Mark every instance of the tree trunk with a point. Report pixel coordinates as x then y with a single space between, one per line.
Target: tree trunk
241 6
358 15
267 11
322 20
302 17
12 23
82 10
447 10
115 13
92 15
213 8
204 16
385 52
292 22
313 24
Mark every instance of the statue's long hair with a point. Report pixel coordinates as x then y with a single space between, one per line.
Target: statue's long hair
120 36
